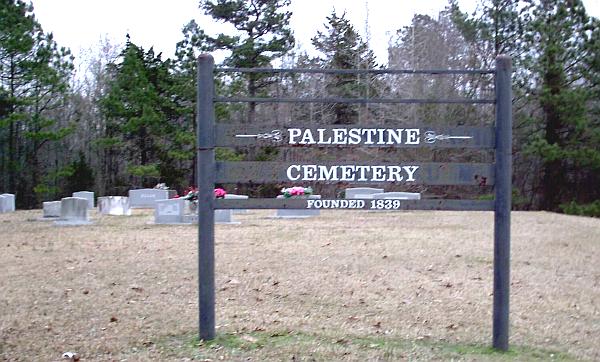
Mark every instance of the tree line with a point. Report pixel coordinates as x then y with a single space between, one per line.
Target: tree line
128 120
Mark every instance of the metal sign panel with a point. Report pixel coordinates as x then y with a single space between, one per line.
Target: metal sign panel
356 204
239 135
411 173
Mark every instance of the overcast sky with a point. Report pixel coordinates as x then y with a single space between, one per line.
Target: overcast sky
81 24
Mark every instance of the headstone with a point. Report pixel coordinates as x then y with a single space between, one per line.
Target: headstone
7 203
354 192
190 207
51 209
114 205
3 204
398 195
88 195
73 211
224 216
169 211
237 197
298 213
146 198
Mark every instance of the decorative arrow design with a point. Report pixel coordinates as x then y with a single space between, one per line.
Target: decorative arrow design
274 136
432 137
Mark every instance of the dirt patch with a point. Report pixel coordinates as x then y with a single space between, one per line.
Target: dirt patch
351 285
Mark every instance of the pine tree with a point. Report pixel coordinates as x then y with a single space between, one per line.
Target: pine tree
568 46
34 74
343 48
263 34
140 111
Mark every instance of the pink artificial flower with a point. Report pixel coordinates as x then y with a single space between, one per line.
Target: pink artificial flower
297 191
220 193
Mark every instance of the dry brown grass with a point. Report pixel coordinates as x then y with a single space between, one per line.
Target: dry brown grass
348 285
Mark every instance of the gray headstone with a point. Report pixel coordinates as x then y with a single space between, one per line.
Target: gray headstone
51 208
73 211
190 219
169 211
298 213
146 198
224 216
7 203
114 205
190 208
398 195
352 192
237 197
88 195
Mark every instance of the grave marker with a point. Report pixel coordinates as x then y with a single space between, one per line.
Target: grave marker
88 195
73 211
51 209
360 192
146 198
237 197
169 211
397 195
114 205
7 203
298 213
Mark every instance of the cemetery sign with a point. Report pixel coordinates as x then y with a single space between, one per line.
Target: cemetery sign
406 172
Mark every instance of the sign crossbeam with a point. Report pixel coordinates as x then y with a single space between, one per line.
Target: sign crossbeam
241 135
409 173
356 204
354 100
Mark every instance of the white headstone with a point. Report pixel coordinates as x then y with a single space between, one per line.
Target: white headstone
73 211
237 197
88 195
398 195
298 213
146 198
169 211
352 192
51 208
114 205
7 203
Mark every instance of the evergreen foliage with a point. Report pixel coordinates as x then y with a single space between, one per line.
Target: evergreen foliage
343 48
136 127
33 83
263 34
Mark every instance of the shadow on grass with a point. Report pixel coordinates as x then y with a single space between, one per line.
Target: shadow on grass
297 345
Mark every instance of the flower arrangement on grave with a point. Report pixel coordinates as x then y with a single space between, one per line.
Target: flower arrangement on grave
296 191
191 194
161 186
220 193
